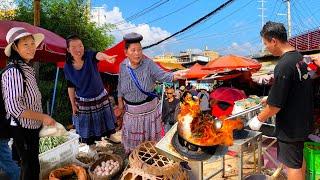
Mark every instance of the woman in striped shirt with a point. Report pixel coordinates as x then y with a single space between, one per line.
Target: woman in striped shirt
141 108
22 99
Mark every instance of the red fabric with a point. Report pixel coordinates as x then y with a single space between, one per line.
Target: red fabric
118 50
114 68
228 76
218 112
52 49
232 62
227 94
196 72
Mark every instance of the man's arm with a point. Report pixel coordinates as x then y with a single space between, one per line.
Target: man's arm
268 112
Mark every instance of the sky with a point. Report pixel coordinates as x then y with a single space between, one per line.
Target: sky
233 30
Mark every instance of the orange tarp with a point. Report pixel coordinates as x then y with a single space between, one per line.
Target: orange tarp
232 62
196 72
170 66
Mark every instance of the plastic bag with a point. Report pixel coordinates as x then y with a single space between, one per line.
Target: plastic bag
56 130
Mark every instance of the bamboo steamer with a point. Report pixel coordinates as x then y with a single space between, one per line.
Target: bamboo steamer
146 158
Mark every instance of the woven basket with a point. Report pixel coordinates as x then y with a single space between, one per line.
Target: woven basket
62 172
105 157
85 155
146 158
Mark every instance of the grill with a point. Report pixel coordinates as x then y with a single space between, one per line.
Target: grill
192 151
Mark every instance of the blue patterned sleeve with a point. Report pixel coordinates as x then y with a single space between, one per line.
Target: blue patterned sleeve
159 74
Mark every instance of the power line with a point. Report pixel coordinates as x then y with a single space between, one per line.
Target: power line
143 12
307 10
193 24
161 17
274 7
234 32
222 19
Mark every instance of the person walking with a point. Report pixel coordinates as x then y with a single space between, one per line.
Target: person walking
169 109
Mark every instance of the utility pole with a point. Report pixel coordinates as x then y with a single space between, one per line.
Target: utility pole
262 19
36 8
288 17
36 22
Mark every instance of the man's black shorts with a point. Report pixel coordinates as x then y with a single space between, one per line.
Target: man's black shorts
290 153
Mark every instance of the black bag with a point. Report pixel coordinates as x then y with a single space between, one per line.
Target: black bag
5 128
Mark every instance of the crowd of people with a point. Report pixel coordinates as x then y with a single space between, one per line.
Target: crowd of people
138 99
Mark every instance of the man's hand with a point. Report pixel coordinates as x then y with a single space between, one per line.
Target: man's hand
264 100
254 123
48 121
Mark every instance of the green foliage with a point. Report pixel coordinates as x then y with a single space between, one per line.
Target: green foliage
66 17
62 109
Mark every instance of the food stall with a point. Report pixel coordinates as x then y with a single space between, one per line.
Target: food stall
197 140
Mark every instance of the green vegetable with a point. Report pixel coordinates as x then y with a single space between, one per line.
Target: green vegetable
47 143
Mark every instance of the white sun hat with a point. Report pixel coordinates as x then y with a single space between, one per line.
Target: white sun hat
16 33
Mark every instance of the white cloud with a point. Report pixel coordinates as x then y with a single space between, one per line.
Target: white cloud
246 48
150 34
7 5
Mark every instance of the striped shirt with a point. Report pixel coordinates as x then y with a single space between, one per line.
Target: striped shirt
148 72
16 102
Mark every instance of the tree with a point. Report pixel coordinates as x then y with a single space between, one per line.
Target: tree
66 17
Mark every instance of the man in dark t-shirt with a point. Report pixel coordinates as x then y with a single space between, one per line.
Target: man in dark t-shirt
290 98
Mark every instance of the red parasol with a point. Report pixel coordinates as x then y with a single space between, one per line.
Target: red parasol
114 68
227 94
52 49
232 62
196 72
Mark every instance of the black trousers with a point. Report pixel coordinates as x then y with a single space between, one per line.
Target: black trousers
27 145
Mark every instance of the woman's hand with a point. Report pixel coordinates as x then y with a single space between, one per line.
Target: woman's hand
102 56
48 121
181 74
74 110
121 110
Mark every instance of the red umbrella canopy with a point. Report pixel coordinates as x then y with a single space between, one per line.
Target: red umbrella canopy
196 72
52 49
118 50
114 68
227 94
232 62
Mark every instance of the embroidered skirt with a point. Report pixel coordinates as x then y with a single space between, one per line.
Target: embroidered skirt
141 123
95 118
